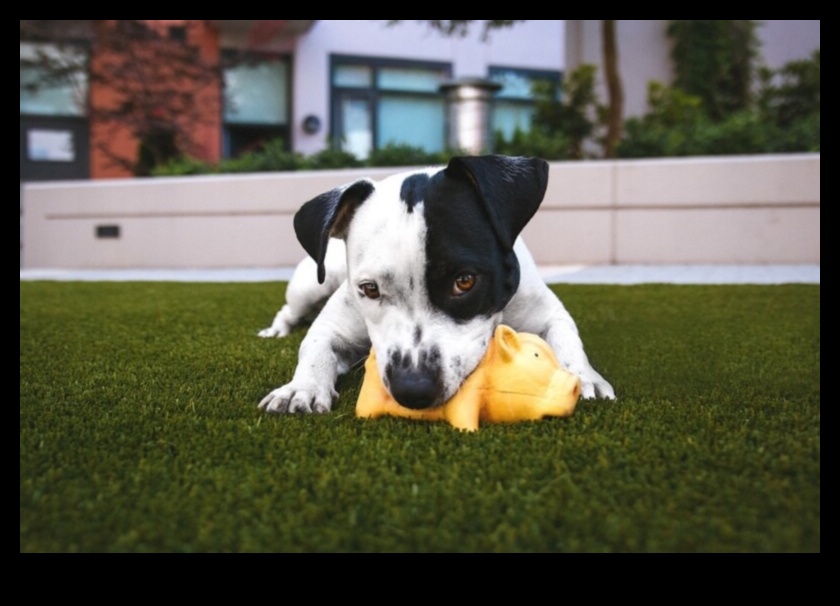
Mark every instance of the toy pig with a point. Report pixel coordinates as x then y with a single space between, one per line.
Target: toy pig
519 379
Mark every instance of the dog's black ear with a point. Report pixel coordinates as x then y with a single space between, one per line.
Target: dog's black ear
510 188
328 216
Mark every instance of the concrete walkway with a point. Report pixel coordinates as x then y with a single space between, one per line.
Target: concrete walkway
566 274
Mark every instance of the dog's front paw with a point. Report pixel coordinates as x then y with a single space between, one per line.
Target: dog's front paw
593 385
299 397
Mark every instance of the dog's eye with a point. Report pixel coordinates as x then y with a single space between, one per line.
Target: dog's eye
463 283
369 289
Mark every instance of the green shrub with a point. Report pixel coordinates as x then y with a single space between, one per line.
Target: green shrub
331 158
561 128
182 166
792 93
785 120
399 154
272 157
536 143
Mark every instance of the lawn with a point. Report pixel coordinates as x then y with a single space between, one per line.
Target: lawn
139 432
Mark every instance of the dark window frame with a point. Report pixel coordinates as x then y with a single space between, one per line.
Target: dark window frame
232 57
77 124
372 94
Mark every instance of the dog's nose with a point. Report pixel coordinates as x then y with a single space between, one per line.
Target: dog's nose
415 388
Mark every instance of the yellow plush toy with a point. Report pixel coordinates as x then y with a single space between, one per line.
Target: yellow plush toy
519 379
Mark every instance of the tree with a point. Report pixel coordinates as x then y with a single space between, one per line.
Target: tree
615 91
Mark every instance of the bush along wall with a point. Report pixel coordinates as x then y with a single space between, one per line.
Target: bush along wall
275 157
784 118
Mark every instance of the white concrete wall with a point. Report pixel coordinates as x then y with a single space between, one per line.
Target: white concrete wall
535 44
739 209
745 209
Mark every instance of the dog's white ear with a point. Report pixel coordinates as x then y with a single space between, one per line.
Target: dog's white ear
328 216
511 189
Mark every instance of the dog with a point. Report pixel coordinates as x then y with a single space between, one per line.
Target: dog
422 266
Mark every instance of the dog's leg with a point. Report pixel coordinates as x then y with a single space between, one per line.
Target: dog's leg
562 334
546 316
336 340
304 296
536 309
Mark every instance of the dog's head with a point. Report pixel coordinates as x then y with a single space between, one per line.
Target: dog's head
430 263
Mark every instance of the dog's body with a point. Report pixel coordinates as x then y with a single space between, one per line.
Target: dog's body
433 263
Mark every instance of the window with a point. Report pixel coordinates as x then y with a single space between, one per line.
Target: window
513 107
377 102
53 80
256 103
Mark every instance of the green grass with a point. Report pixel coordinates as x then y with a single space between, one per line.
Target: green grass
139 432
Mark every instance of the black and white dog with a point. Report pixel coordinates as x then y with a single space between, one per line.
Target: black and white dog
431 263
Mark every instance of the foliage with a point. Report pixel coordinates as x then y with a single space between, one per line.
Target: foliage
183 166
534 143
461 27
791 93
560 128
398 154
274 156
714 59
786 119
331 158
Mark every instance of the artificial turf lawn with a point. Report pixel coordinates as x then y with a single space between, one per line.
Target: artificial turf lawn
139 432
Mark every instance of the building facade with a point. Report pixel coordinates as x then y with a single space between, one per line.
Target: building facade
104 99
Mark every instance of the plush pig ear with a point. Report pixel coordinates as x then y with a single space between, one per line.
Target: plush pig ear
507 342
328 216
511 189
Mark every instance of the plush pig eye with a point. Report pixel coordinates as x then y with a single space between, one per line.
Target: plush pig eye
369 289
463 284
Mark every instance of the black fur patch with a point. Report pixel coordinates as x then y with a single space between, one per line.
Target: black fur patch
474 211
461 240
413 190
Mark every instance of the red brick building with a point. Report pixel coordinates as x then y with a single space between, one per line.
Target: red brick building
107 98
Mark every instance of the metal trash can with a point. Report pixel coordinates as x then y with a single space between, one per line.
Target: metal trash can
468 109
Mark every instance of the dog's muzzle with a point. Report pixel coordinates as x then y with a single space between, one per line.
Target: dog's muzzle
415 386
